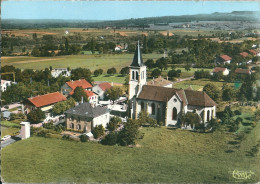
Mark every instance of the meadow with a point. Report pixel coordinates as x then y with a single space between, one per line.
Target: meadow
164 155
90 61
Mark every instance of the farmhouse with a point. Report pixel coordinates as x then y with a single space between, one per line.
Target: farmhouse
70 86
44 102
242 71
60 71
254 52
224 59
160 82
161 103
224 71
100 89
84 117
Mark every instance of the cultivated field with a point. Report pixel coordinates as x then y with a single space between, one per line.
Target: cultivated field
164 155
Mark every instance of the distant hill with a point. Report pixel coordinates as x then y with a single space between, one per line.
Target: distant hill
139 22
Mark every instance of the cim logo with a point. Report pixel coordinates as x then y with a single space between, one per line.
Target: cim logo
242 175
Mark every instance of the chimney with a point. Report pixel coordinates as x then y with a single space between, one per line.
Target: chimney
82 99
112 84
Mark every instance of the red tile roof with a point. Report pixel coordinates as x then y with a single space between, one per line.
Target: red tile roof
219 69
105 86
90 93
47 99
81 82
244 54
225 57
253 52
242 71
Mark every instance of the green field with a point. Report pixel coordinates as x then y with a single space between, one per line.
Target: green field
165 155
198 84
92 62
114 78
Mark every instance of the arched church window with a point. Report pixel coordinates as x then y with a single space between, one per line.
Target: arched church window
72 126
136 75
174 114
79 127
133 75
142 106
153 109
208 113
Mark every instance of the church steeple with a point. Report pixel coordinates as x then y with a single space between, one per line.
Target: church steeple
138 60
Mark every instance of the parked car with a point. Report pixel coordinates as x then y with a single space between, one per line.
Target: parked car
6 137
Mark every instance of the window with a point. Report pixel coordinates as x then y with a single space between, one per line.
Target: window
153 109
72 126
78 127
136 75
175 100
174 114
142 106
133 75
208 114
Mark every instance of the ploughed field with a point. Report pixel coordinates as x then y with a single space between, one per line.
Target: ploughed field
164 155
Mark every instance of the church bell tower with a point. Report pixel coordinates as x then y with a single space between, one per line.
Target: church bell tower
137 78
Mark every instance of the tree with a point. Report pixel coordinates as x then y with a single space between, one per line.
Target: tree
98 72
80 73
145 49
98 131
162 63
111 71
113 123
124 71
149 63
66 45
217 76
114 93
156 73
92 45
174 73
61 107
228 93
35 116
213 91
192 119
79 93
83 138
110 139
129 133
187 67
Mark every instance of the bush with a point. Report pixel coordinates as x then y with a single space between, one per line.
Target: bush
129 133
48 125
110 139
83 138
237 112
35 116
66 137
98 131
113 123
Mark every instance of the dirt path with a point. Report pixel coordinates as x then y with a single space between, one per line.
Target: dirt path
34 61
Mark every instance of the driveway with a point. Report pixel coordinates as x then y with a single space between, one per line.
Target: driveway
10 141
183 79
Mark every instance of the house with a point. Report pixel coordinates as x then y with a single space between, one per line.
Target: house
44 102
101 88
242 71
244 54
60 71
163 103
254 52
224 59
92 97
70 86
224 71
160 82
85 116
5 84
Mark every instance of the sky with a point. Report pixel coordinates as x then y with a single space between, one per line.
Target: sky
116 10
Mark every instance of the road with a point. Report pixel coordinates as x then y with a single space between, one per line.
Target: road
10 141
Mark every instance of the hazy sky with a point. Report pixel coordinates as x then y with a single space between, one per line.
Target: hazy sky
113 10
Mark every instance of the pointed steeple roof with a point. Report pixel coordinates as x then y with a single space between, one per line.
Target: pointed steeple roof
138 60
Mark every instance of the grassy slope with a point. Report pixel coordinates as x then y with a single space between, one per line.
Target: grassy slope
165 155
92 62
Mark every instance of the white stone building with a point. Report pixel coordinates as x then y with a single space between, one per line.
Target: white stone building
163 103
5 84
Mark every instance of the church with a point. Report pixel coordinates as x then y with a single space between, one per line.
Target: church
163 103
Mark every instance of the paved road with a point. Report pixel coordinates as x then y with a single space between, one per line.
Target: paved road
10 141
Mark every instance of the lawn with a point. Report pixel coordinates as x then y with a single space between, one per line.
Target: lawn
114 78
90 61
8 131
165 155
199 84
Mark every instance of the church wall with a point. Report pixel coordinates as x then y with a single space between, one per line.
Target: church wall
199 111
173 102
159 112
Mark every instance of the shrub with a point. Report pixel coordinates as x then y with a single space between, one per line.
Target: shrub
237 112
98 131
66 137
83 138
129 133
113 123
110 139
48 125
